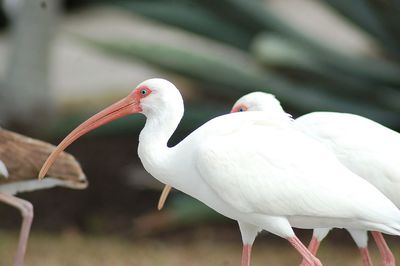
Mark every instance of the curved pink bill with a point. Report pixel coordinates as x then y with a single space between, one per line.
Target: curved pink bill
125 106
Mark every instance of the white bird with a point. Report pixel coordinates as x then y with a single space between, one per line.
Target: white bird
367 148
23 157
258 171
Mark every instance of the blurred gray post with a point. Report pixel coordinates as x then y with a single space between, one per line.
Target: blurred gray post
26 89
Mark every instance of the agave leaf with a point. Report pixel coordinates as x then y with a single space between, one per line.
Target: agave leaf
236 77
367 17
381 71
388 13
275 50
192 18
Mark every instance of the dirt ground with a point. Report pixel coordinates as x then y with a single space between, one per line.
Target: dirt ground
73 249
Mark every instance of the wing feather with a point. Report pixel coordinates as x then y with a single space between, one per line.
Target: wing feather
367 148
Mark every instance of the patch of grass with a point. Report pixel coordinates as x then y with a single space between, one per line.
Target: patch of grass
82 250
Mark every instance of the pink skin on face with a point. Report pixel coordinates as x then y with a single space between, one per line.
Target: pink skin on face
141 92
239 108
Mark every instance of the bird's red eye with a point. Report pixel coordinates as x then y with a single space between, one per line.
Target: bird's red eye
143 91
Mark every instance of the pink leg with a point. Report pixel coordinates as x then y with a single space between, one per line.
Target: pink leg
365 257
314 245
246 254
386 254
26 209
305 253
313 248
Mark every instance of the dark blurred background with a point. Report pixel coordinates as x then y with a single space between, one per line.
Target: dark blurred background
65 60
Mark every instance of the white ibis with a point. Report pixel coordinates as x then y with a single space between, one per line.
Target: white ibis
21 158
255 169
367 148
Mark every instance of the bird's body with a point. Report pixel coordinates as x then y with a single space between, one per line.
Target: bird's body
261 172
21 157
367 148
225 162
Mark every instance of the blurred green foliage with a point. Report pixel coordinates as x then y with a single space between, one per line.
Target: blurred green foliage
304 73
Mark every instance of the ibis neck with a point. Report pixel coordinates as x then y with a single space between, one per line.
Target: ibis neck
153 150
157 131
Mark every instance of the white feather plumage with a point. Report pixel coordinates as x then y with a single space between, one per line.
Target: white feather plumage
367 148
217 161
